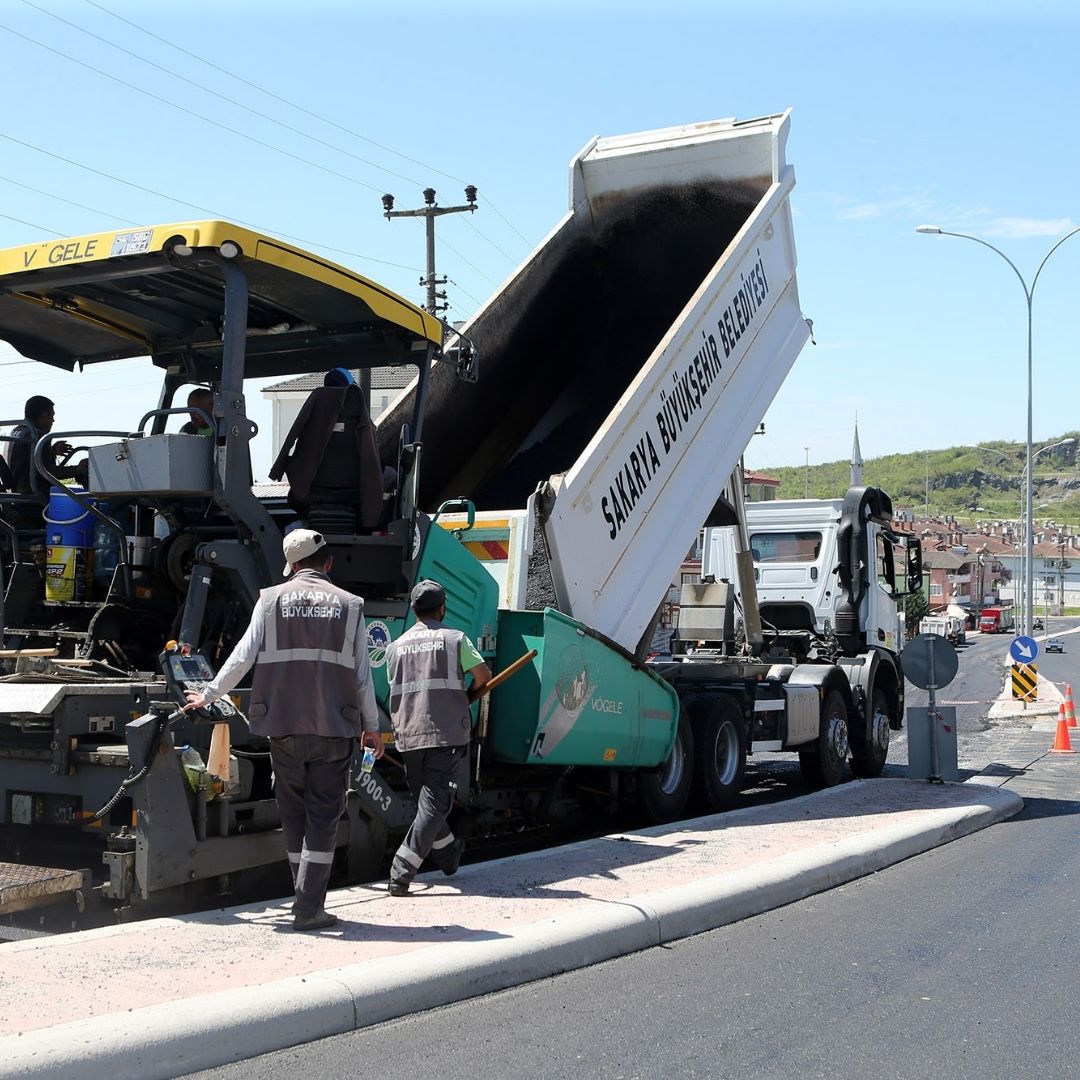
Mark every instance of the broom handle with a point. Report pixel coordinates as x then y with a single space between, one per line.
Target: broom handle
477 692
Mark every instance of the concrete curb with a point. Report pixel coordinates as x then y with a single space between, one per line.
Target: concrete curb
173 1038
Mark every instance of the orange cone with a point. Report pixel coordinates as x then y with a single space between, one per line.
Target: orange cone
1070 710
1061 736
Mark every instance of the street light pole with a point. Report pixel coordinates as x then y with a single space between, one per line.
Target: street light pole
1029 291
806 484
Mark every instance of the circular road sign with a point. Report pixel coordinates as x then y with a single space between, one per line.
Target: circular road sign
1023 649
929 661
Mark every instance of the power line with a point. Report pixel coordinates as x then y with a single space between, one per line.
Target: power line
191 206
307 112
499 214
461 288
509 258
215 93
199 116
276 97
31 224
60 198
190 112
490 280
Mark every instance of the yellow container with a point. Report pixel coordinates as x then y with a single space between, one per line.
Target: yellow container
67 573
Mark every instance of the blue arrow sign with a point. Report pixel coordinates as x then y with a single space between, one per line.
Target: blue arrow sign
1023 650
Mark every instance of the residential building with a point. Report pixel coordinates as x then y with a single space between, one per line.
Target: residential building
288 397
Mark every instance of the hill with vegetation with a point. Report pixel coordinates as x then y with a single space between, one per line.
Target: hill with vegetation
969 483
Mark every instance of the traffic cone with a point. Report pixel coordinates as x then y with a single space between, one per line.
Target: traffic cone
1061 736
1070 710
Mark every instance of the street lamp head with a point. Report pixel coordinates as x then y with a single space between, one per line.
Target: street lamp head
930 230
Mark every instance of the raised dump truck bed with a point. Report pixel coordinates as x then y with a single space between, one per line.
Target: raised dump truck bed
629 359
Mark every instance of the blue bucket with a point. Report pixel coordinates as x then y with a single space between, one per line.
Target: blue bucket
67 524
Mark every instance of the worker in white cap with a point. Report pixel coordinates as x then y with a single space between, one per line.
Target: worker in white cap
311 695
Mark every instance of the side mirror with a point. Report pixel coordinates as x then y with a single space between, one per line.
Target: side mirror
914 564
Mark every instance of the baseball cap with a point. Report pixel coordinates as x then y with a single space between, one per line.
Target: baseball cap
427 595
299 544
338 376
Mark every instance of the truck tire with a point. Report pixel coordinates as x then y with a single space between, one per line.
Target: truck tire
662 794
823 766
719 754
365 853
870 748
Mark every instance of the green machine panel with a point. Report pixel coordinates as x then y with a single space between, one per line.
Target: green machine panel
582 701
472 599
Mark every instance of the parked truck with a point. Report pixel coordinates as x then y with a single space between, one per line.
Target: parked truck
950 627
554 461
996 620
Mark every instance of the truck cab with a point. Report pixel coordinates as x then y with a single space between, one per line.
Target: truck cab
811 559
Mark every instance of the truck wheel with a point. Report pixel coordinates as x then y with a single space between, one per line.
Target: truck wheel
869 749
365 853
719 754
824 765
662 794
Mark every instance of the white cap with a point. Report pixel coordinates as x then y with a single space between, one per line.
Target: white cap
299 544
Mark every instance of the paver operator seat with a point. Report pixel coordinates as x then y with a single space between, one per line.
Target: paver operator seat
335 478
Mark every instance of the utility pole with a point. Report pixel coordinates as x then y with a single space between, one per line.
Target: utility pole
806 486
429 211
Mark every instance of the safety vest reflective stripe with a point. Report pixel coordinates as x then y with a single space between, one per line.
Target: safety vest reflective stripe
454 680
429 684
271 654
325 655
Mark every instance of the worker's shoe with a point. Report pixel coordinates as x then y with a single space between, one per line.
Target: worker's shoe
318 920
398 888
453 857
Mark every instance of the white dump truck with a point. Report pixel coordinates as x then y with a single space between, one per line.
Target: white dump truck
950 627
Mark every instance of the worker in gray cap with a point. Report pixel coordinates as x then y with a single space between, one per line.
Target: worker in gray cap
429 708
311 694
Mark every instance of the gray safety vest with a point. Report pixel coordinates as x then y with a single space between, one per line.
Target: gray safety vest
428 703
305 673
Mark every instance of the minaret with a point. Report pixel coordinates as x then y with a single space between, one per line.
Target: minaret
856 459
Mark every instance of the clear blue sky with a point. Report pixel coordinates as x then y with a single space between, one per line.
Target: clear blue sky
931 114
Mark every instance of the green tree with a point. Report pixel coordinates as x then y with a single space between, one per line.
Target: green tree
915 607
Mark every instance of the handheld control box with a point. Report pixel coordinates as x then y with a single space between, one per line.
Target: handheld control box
193 672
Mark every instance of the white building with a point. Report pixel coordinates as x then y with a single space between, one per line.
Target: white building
287 397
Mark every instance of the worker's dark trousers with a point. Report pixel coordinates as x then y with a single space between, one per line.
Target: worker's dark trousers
310 773
435 776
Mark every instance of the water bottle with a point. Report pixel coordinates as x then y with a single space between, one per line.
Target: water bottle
193 766
369 761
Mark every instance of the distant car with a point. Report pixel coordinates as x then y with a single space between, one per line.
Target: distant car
1038 625
1055 644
